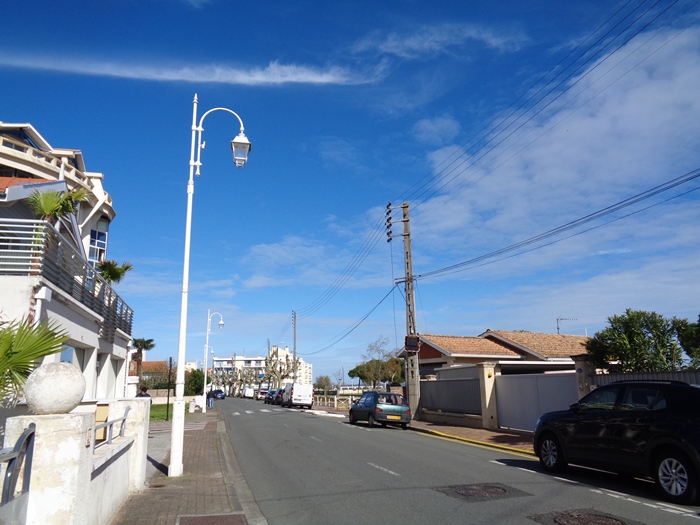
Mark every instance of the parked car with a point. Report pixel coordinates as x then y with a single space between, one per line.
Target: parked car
381 407
269 397
638 428
261 394
296 394
219 394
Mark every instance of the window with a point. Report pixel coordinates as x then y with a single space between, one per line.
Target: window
98 242
603 398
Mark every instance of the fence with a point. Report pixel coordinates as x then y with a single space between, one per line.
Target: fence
459 396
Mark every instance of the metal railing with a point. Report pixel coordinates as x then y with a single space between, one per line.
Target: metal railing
18 459
33 247
109 425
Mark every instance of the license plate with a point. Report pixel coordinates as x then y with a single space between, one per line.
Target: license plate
393 417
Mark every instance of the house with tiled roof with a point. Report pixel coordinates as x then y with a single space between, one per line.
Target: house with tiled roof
47 269
515 351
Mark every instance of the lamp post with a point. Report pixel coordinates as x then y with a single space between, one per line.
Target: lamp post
240 147
206 349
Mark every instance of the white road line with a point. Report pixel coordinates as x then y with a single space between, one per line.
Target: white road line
315 439
250 411
264 410
236 414
384 469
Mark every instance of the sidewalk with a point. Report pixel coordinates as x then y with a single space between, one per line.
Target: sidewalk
212 490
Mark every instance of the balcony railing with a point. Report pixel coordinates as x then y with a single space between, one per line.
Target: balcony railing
31 247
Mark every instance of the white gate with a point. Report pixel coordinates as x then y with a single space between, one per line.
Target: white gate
521 399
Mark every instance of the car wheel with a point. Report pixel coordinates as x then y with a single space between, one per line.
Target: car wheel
404 426
675 477
352 418
370 420
550 454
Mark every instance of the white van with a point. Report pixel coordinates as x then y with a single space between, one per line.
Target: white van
248 393
298 395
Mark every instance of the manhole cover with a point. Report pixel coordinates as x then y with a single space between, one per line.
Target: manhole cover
482 491
580 517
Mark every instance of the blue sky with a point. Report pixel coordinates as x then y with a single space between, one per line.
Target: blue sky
495 121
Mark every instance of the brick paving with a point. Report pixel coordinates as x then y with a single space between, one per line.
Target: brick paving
212 489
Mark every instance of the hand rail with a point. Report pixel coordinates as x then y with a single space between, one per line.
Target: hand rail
110 429
21 455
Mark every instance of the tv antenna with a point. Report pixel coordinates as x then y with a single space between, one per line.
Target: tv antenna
563 319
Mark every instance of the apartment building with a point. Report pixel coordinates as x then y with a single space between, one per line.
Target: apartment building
47 269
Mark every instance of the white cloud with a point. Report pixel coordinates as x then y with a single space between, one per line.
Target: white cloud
274 73
429 41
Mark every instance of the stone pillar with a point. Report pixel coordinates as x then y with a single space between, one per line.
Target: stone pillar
61 465
584 372
487 381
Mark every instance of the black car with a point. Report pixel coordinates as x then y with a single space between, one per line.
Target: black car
269 397
219 394
277 399
638 428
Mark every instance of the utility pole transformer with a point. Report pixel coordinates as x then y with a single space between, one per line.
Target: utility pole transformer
412 371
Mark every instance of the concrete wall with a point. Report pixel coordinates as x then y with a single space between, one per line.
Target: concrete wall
71 482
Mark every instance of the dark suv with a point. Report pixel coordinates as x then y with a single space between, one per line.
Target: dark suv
640 428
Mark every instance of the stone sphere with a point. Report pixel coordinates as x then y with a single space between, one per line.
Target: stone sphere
54 388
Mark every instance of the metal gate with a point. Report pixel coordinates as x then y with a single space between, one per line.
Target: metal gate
522 398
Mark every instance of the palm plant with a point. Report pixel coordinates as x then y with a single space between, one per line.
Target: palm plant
52 205
141 345
112 271
22 345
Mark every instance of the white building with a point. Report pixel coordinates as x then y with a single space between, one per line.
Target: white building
47 271
258 367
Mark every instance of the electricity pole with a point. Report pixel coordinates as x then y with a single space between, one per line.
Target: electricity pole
412 371
294 362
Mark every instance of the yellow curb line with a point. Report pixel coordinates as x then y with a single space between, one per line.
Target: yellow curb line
474 441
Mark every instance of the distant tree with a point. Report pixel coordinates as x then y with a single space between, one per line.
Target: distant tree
323 383
375 359
638 341
194 383
141 345
393 370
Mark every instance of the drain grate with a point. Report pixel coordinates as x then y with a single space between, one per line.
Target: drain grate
482 492
580 517
223 519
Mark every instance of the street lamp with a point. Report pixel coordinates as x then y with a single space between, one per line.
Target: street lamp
206 349
241 148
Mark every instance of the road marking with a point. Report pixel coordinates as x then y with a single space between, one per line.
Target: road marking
250 411
264 410
384 469
315 439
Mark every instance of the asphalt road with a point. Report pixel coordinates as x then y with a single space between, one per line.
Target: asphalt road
310 468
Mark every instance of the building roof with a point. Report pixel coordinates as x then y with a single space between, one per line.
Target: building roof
464 346
543 346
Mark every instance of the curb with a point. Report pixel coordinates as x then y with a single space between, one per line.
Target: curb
473 441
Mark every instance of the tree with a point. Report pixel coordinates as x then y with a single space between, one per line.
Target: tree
323 383
638 341
22 345
141 345
194 383
375 359
393 370
53 205
689 339
112 271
